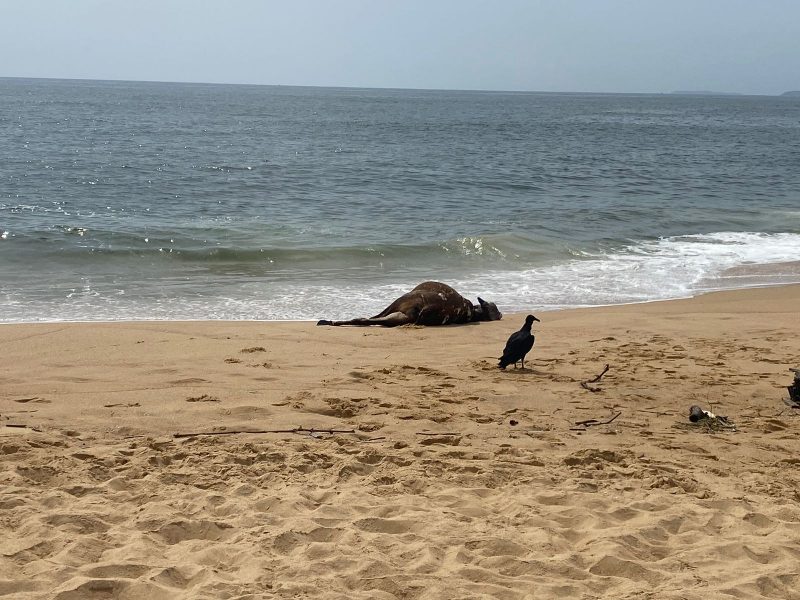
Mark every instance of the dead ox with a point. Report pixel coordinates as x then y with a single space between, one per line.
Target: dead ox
430 303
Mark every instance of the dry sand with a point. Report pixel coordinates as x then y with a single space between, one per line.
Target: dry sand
99 500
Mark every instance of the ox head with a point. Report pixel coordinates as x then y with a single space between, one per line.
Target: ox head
488 311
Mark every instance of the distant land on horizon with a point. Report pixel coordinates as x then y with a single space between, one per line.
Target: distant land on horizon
792 93
704 93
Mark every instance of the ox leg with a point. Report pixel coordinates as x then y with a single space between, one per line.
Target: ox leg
391 320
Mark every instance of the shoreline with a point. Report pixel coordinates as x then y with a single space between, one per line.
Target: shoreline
448 478
699 294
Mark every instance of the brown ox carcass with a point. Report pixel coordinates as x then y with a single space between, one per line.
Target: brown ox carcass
430 303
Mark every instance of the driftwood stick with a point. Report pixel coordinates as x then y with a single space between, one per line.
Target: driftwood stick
598 377
585 384
227 432
435 433
591 422
310 432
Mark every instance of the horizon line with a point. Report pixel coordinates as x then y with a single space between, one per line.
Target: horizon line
412 89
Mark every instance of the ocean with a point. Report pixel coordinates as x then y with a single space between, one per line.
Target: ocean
148 201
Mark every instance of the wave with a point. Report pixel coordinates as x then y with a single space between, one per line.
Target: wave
227 168
670 267
212 247
640 271
637 271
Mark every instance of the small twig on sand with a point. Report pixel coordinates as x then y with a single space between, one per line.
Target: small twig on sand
309 432
585 384
435 433
23 426
597 378
584 425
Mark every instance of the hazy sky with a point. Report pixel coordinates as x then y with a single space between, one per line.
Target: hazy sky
749 46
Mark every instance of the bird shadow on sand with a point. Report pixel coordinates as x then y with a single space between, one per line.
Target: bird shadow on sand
526 371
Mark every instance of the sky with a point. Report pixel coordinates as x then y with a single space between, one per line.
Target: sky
626 46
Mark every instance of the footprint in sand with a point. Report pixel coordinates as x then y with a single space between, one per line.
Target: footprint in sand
106 588
248 411
188 381
289 540
33 399
163 371
73 379
203 398
179 531
359 375
263 365
124 571
40 475
80 524
611 566
390 526
178 577
496 547
454 400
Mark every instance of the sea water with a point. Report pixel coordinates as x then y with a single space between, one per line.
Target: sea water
133 200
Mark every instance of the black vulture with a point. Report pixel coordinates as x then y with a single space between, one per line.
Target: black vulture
518 345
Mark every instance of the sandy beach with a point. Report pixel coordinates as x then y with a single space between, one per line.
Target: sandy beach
444 477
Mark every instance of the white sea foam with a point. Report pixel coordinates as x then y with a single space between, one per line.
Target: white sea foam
671 267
